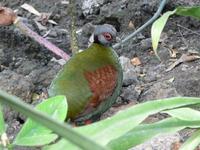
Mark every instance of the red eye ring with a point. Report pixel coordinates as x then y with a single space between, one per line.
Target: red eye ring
107 36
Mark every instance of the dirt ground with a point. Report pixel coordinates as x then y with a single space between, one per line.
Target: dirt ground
27 69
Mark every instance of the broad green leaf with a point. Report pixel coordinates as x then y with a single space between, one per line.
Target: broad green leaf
58 127
2 124
157 29
111 128
192 142
189 11
32 133
184 114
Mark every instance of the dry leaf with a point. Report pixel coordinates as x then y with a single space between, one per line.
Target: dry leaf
183 58
131 25
171 80
193 52
65 2
176 146
136 61
7 16
173 53
30 9
44 17
142 74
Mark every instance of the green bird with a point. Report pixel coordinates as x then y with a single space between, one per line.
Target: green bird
91 80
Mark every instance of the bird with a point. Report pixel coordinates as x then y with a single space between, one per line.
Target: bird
92 79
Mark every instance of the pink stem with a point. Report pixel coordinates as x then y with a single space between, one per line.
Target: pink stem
27 31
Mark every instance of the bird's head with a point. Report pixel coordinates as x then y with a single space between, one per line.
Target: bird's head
105 34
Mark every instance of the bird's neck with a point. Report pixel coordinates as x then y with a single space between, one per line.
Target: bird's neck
100 47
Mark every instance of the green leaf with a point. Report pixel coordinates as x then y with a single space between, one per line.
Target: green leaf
62 129
145 132
192 142
2 123
189 11
184 114
34 134
157 29
111 128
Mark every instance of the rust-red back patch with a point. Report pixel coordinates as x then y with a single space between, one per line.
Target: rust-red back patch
102 83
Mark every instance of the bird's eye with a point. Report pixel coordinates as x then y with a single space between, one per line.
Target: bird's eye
107 36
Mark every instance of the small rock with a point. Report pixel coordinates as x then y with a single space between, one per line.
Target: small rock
162 142
53 33
88 29
129 71
89 6
25 66
16 84
146 44
184 67
159 90
187 83
130 93
44 76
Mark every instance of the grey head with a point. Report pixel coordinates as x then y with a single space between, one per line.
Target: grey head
105 34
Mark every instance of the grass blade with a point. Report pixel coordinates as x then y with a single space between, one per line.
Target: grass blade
111 128
2 124
145 132
184 114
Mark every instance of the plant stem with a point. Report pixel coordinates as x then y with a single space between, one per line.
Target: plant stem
150 21
61 129
27 31
74 42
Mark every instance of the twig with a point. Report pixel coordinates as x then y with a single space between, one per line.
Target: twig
74 42
150 21
182 37
188 29
27 31
8 17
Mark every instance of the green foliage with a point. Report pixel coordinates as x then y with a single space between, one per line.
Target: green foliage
115 130
2 124
181 118
58 127
34 134
119 132
145 132
157 29
189 11
159 24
